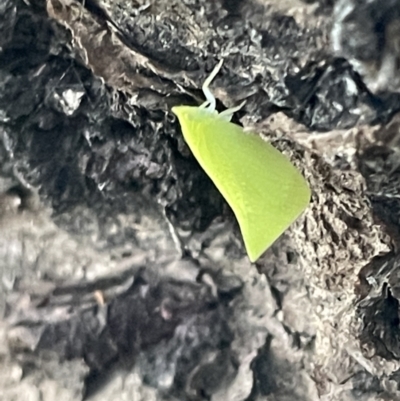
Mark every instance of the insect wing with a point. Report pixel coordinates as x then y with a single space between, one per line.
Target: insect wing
263 188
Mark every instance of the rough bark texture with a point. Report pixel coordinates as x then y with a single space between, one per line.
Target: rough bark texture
123 273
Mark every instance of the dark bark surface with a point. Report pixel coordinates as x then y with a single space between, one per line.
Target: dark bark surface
123 272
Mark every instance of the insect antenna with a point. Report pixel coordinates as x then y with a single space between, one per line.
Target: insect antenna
210 103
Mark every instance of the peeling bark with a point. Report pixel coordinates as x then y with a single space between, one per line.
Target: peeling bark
123 273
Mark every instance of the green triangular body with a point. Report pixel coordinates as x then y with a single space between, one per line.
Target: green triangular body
265 191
